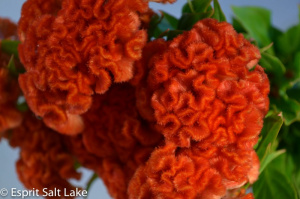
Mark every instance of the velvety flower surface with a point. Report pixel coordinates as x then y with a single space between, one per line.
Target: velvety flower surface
9 89
116 140
8 29
34 9
10 117
168 174
44 159
202 83
77 51
206 94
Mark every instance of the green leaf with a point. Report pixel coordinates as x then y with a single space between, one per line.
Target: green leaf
273 183
23 107
10 47
266 48
272 125
294 67
173 33
290 109
257 22
294 93
187 20
13 70
218 13
286 165
161 24
272 65
269 156
238 26
198 6
289 42
153 30
12 67
169 20
274 34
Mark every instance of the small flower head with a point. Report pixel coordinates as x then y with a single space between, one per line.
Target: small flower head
44 159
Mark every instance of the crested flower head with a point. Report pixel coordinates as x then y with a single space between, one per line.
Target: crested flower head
207 96
116 140
74 50
201 89
44 159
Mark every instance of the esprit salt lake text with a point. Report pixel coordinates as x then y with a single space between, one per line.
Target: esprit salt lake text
48 192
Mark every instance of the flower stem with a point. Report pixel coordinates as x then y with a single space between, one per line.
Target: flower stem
191 6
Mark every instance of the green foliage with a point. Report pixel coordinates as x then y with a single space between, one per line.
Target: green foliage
279 147
273 183
272 65
12 67
10 47
196 6
257 22
187 20
193 11
272 125
266 149
218 14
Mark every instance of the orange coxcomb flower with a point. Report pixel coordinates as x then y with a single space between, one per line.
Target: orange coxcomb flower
116 141
44 159
9 89
202 83
74 49
200 93
169 174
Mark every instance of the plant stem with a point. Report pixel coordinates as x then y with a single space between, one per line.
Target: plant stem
191 6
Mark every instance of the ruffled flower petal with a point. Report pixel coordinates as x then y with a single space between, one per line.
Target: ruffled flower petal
72 49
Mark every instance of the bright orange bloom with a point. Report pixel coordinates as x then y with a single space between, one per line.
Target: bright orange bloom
34 9
9 89
201 88
173 172
116 141
44 161
169 174
116 133
200 93
80 50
